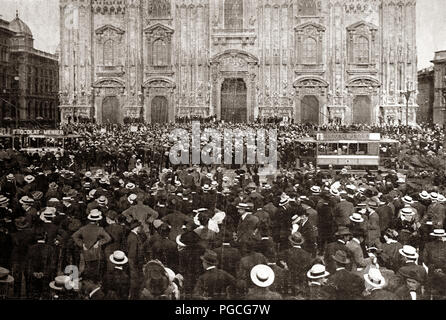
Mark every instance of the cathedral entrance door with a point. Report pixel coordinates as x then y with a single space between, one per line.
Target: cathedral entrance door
234 103
310 110
110 110
160 110
362 109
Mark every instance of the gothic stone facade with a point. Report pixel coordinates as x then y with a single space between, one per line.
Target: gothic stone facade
308 60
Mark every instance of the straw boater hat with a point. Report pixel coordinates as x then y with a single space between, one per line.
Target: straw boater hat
102 200
407 211
26 200
409 252
438 233
48 213
132 197
60 283
118 257
206 188
441 198
3 199
317 271
315 189
356 217
408 200
375 278
95 215
243 206
10 177
434 196
29 178
262 275
424 195
5 276
130 186
284 200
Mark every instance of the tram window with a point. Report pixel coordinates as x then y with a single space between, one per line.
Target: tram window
362 150
322 149
353 149
343 149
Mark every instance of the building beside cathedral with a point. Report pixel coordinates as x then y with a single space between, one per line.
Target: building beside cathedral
313 61
28 78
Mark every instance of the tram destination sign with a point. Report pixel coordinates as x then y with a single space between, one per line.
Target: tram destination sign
38 132
337 136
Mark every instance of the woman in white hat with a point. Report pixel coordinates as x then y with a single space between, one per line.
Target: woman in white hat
262 276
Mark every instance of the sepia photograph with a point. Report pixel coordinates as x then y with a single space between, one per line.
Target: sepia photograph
228 150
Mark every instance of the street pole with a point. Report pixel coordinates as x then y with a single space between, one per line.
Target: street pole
407 110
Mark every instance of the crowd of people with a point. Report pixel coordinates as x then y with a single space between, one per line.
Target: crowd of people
110 217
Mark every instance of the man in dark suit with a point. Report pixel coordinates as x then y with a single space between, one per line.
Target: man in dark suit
342 211
342 236
250 259
190 251
297 261
214 283
21 240
116 282
247 225
414 279
41 268
135 251
164 249
228 256
346 284
308 232
117 233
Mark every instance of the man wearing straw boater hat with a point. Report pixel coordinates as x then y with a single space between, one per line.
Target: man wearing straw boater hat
317 281
91 238
262 277
116 282
374 286
434 254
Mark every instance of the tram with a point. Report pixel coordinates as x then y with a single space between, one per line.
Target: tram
357 150
32 141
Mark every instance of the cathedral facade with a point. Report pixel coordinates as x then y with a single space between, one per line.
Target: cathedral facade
313 61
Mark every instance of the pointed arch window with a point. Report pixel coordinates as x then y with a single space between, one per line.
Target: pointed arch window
234 14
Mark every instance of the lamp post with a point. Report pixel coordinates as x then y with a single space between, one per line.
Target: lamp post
407 94
443 93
